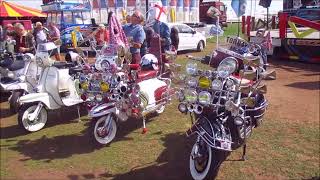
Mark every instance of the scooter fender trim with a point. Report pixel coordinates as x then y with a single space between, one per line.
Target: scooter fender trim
45 98
209 133
102 110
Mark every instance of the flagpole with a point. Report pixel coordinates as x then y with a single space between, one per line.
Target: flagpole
239 20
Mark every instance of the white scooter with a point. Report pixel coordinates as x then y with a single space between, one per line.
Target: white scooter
56 89
21 81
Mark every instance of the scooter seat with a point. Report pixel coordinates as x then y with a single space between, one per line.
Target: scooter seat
143 75
16 65
62 65
6 62
75 70
7 80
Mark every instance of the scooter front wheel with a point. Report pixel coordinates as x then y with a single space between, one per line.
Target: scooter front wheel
28 120
14 105
205 161
105 129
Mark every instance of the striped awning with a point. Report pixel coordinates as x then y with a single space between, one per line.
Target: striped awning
8 9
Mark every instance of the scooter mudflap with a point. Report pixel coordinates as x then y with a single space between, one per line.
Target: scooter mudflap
144 130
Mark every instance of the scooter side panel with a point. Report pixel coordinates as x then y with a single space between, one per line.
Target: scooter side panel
45 98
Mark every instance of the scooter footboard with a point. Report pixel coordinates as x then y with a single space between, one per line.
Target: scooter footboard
45 98
212 133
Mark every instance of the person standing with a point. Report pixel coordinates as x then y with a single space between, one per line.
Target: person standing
163 30
213 15
25 42
39 34
136 36
101 35
54 35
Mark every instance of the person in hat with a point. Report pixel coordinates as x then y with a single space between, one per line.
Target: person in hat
136 36
101 35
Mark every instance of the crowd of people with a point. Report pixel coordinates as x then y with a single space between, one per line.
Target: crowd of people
27 41
137 31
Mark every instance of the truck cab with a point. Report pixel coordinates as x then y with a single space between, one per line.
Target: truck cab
206 4
67 16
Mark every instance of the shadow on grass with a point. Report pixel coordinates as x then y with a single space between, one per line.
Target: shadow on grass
55 118
64 146
295 66
4 96
5 112
172 163
314 85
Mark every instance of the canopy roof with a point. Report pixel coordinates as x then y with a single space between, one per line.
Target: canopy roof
8 9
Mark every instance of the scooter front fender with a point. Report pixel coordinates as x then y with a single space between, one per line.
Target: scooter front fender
211 133
102 110
45 98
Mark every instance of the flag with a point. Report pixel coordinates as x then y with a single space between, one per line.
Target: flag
111 3
267 43
95 4
173 3
119 3
179 3
239 7
103 4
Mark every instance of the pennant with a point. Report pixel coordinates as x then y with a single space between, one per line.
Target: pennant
103 4
111 3
119 3
268 41
173 3
179 3
95 4
239 7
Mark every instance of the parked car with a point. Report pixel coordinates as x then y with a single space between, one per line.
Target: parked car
189 39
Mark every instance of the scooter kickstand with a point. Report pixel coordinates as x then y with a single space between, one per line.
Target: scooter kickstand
244 152
78 109
144 129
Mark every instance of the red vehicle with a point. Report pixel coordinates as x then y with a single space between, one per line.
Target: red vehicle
206 4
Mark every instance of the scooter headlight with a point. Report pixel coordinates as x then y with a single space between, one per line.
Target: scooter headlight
11 75
191 68
99 97
84 85
91 97
204 97
227 66
191 96
192 82
104 87
182 107
204 82
217 85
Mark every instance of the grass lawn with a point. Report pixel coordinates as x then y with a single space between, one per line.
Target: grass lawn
64 149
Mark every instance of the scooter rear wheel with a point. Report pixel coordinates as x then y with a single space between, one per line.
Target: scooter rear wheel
38 123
